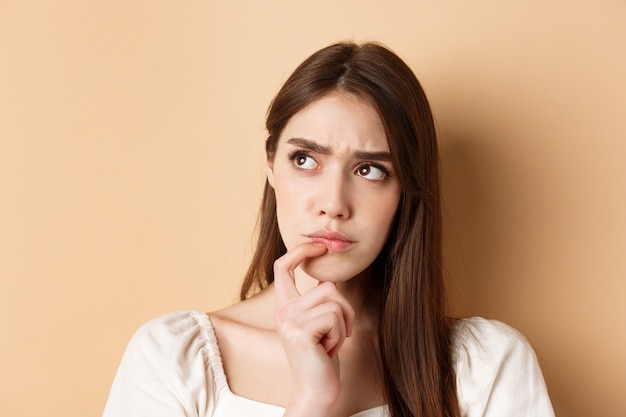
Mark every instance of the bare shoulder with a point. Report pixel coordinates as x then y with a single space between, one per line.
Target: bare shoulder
251 351
245 329
256 312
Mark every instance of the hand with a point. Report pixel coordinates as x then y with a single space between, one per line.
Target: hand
312 327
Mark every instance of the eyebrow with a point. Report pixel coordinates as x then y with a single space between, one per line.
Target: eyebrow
325 150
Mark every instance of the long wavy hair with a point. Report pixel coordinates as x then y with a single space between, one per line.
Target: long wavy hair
414 332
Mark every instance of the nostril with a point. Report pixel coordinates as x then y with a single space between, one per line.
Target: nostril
333 213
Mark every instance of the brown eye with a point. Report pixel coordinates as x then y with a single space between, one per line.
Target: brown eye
303 161
372 172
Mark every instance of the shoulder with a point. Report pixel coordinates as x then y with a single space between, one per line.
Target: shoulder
181 333
497 371
166 368
173 329
478 336
183 341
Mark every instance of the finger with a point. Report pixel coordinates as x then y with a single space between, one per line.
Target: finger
334 333
326 291
284 278
323 325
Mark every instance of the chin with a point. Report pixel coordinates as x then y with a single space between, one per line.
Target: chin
327 269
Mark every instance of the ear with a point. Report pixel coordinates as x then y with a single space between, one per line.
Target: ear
269 170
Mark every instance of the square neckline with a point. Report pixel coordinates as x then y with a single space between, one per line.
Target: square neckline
221 381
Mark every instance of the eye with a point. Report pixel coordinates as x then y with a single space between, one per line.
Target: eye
303 161
372 172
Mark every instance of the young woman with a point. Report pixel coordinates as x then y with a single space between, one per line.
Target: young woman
342 311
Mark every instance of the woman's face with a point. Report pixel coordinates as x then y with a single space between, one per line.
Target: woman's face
335 184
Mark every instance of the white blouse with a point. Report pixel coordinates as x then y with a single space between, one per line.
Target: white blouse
172 368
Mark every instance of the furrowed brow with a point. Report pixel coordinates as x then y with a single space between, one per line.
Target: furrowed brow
325 150
309 145
373 156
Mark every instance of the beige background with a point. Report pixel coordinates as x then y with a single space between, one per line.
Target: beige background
131 163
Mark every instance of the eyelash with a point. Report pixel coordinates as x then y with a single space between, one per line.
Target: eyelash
385 172
293 156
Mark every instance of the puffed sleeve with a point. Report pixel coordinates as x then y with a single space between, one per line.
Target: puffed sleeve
497 372
164 371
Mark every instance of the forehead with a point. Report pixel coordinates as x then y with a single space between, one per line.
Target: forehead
338 120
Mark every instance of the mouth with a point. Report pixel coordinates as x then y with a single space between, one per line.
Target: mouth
334 241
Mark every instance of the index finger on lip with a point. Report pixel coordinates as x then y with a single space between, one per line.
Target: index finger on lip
284 278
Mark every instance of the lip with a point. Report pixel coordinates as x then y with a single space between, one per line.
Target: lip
334 241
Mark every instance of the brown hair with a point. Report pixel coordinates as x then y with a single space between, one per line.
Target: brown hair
414 332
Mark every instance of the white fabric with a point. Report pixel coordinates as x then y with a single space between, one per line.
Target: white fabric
172 368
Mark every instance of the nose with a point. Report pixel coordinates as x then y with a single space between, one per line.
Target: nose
334 197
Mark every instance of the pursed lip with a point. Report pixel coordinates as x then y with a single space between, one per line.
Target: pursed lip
334 241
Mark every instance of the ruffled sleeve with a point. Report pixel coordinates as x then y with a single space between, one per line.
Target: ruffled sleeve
165 370
497 372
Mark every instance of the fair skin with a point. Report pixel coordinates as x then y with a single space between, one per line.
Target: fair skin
308 342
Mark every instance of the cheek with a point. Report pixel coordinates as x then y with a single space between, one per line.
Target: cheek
383 211
293 194
288 211
385 226
288 199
